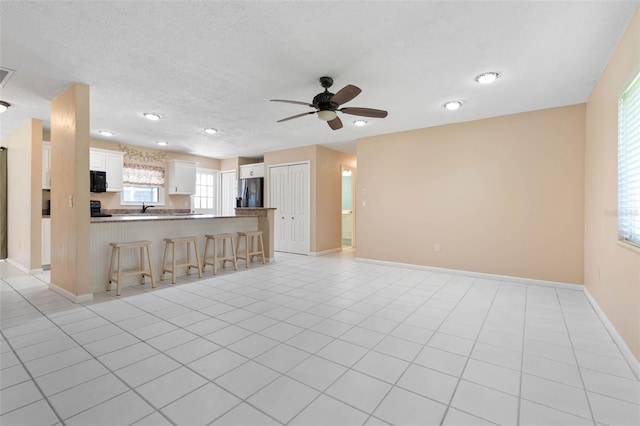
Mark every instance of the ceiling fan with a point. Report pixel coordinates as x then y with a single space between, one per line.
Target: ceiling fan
327 105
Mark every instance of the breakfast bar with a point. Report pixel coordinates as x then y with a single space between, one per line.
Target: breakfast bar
155 228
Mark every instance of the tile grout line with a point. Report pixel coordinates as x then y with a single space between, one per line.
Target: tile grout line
524 332
44 397
453 394
584 388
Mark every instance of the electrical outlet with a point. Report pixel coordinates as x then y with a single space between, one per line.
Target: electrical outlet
364 203
436 248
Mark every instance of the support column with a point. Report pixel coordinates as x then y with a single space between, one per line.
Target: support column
70 219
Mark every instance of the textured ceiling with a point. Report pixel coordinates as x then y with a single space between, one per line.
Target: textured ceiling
216 64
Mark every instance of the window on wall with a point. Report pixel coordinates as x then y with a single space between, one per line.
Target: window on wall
629 164
142 183
207 195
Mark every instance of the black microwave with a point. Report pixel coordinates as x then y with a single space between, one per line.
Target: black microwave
98 182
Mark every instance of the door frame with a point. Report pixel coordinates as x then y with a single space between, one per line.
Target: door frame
267 190
235 185
344 167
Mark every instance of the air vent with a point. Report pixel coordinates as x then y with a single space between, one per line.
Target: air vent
5 75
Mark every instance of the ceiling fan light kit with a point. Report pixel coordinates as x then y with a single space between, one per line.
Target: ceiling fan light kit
327 105
4 106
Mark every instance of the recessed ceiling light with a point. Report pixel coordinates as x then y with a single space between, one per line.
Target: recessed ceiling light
360 123
163 143
210 130
487 77
4 106
105 133
452 105
152 116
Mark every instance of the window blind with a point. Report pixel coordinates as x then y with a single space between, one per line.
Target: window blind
629 164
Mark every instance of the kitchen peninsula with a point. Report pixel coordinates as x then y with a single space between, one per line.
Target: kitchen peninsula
155 228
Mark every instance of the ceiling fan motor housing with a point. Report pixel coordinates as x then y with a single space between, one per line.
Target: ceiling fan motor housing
322 101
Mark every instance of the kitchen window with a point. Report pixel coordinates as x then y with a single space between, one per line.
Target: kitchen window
142 183
132 194
629 164
207 196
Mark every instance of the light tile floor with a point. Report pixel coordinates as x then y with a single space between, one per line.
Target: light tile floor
310 341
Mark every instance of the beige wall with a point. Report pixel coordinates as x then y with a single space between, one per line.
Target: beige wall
24 173
325 183
111 200
501 196
612 272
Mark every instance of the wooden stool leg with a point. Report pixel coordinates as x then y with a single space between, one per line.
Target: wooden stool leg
246 252
195 248
215 256
188 258
262 248
153 281
119 276
233 251
173 264
142 265
113 258
204 256
164 260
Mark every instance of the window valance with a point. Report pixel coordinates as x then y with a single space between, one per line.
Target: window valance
143 174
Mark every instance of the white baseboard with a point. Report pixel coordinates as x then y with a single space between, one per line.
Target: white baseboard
617 339
17 265
66 294
634 364
519 280
322 253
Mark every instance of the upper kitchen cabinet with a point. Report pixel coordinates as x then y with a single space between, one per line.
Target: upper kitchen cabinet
46 165
108 161
182 177
252 170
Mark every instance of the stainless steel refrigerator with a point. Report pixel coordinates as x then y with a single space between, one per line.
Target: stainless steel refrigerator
250 190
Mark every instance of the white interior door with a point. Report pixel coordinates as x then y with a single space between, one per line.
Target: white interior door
289 194
228 194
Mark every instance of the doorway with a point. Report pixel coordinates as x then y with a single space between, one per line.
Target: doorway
347 207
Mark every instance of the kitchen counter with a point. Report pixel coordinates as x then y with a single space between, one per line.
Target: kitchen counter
148 217
155 228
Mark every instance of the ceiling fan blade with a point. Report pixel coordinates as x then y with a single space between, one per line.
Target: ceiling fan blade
365 112
345 94
335 124
293 102
296 116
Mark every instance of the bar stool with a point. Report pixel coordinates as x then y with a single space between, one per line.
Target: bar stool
116 253
249 238
173 241
224 257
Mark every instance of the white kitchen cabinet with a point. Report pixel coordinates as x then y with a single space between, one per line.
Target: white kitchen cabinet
97 160
182 177
46 241
108 161
46 165
252 170
114 162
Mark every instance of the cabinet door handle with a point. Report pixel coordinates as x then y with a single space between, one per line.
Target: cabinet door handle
292 218
176 189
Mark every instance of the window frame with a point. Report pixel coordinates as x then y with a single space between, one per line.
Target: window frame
161 195
628 179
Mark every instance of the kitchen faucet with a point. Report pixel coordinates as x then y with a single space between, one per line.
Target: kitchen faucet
144 208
